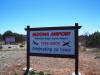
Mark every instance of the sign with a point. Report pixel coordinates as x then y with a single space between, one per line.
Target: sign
53 42
10 39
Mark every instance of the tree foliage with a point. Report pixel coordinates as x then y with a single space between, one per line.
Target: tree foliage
1 38
92 40
18 37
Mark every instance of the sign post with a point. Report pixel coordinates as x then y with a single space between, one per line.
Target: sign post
28 48
53 42
76 48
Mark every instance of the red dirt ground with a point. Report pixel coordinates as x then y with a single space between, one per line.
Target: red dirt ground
88 64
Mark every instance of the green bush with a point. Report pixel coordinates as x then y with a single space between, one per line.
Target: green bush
15 73
32 73
93 40
41 73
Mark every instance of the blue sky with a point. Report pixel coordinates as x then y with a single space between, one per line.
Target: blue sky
15 15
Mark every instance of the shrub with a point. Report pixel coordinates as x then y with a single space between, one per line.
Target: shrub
41 73
15 73
93 40
32 73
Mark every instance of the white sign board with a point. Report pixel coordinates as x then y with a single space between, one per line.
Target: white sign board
10 39
53 42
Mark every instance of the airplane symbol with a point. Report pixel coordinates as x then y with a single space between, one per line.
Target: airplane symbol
66 44
35 43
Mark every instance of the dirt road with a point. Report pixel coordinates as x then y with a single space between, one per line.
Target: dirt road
15 60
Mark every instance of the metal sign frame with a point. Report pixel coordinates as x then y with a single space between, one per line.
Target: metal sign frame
76 27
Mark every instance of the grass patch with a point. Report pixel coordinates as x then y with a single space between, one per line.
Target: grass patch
33 73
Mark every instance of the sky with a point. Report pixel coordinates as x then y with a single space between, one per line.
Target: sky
15 15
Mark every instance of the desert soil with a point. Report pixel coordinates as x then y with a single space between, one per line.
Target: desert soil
12 61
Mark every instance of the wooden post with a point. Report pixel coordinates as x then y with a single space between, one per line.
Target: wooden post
28 44
28 48
76 49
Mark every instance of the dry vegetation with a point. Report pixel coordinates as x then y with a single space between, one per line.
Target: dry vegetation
12 61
